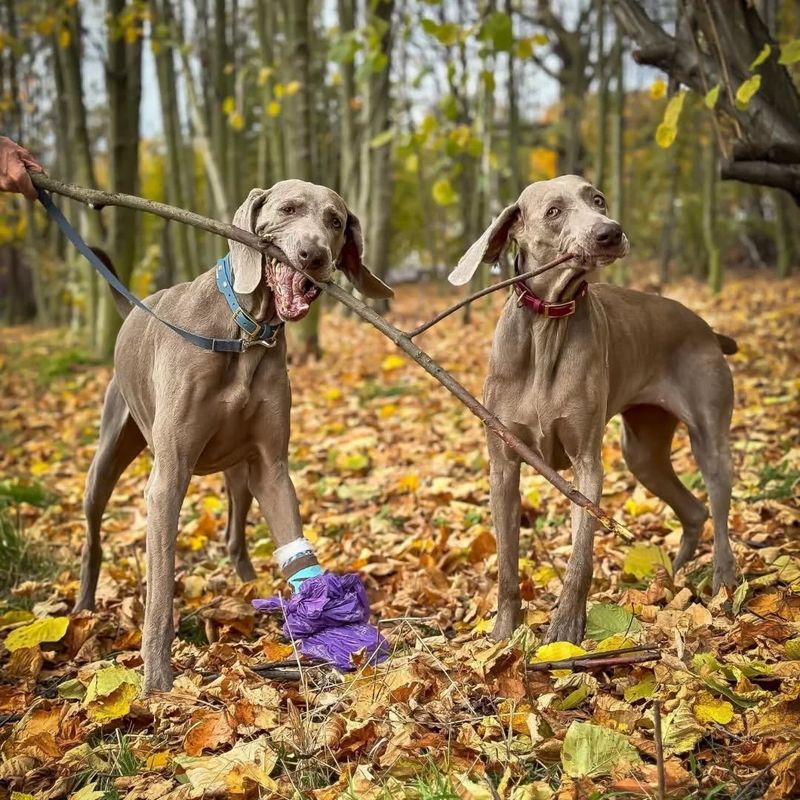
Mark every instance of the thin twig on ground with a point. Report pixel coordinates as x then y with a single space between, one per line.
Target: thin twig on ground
662 778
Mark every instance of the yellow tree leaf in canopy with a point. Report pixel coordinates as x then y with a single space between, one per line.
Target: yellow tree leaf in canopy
746 92
46 629
711 97
542 163
658 89
665 135
293 87
274 109
790 52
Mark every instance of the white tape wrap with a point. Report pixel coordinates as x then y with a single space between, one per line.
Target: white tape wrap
287 553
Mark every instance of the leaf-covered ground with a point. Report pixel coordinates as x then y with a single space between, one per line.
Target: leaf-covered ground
391 474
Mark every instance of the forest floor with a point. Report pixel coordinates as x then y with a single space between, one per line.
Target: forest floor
392 478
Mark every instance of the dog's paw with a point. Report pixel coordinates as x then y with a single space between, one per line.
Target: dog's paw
566 626
725 574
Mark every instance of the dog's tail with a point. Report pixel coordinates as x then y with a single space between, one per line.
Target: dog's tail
726 344
120 301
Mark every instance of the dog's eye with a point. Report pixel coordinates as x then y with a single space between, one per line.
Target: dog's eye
599 202
553 211
336 223
287 209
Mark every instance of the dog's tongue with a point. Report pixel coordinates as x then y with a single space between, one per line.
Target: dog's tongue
290 301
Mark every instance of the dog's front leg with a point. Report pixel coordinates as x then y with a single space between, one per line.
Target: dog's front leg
569 619
165 492
273 488
505 505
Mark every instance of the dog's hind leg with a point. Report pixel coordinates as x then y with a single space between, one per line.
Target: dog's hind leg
647 433
505 505
240 499
120 442
711 448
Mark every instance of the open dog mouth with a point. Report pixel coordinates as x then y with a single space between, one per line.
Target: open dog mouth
293 292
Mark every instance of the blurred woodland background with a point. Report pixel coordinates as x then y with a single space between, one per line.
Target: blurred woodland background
427 116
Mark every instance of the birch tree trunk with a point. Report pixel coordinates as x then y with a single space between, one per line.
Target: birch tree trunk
710 240
618 149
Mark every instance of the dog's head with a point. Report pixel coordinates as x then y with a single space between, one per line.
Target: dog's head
551 218
316 231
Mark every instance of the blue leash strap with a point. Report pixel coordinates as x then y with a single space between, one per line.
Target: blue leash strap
204 342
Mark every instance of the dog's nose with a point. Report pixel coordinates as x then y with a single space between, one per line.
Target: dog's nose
608 234
312 256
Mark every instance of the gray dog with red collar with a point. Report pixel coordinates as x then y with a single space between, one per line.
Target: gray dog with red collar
567 356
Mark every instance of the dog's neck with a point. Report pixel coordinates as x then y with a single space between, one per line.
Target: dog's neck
260 304
558 285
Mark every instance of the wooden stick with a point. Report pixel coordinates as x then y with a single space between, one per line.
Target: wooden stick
590 664
98 199
488 290
662 776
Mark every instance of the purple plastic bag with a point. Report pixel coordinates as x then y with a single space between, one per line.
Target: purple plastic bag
329 615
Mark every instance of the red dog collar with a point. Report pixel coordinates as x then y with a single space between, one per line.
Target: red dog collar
550 310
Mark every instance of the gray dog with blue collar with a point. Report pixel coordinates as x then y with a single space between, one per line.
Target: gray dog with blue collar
201 412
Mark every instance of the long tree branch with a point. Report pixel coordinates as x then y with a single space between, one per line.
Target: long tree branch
98 199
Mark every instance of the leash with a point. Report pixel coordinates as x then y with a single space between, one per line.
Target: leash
253 332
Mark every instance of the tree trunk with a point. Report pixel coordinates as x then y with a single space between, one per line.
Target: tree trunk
175 176
348 173
668 222
380 184
618 150
602 98
710 240
77 134
517 176
124 88
783 233
303 335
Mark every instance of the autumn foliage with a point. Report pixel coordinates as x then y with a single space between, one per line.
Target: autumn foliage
391 474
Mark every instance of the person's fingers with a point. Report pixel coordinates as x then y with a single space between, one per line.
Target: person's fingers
31 163
21 180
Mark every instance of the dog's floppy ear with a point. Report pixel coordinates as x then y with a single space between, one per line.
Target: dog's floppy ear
350 262
246 261
487 248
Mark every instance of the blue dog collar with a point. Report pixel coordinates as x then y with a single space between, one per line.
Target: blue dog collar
255 332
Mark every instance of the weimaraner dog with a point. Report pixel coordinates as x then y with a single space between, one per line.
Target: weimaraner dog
202 412
560 370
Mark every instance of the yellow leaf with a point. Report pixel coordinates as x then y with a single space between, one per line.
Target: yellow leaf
392 362
658 89
333 394
665 135
745 93
193 586
642 560
39 468
279 89
64 38
21 796
641 504
556 651
46 629
673 110
88 792
213 504
236 121
292 88
411 163
483 626
711 709
387 411
15 616
157 761
264 74
792 649
274 109
443 193
541 39
533 497
110 691
643 690
409 482
617 641
711 97
790 52
226 772
761 57
228 104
